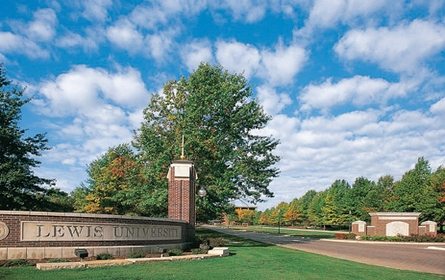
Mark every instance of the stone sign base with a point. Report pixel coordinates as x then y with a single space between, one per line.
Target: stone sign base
394 224
48 235
68 252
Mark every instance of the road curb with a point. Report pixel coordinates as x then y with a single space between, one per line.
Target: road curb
384 242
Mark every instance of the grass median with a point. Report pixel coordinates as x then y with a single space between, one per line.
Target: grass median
248 260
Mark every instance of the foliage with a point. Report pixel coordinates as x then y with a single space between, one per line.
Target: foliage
340 235
215 112
175 252
118 185
412 238
20 188
104 256
58 260
16 262
136 255
419 190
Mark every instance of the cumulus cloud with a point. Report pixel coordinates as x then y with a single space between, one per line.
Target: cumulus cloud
271 101
438 107
358 90
12 43
91 110
243 10
194 53
403 48
83 89
278 66
96 10
124 35
42 27
238 57
318 150
26 37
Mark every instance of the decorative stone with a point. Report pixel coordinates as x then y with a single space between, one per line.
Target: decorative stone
219 251
4 231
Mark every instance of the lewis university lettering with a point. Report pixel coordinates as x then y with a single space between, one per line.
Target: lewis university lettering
61 231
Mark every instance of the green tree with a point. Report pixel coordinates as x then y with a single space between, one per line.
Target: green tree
315 211
339 203
20 188
359 191
414 191
118 185
215 111
438 186
304 203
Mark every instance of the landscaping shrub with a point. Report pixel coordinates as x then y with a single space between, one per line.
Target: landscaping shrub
104 256
217 242
57 260
341 235
16 262
136 255
174 252
412 238
197 251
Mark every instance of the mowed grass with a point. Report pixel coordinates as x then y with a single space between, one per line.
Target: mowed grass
289 231
249 260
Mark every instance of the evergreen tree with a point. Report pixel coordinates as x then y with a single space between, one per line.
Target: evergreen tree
20 188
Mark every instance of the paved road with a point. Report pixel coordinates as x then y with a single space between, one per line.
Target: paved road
401 256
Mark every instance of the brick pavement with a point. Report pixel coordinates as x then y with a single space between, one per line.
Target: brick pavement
399 256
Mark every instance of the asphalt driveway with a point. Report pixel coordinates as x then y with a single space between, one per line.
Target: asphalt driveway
417 257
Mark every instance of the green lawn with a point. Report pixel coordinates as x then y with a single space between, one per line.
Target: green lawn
250 260
289 231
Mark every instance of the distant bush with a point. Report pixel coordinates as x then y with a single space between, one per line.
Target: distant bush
104 256
197 251
341 235
136 255
412 238
57 260
217 242
174 252
16 262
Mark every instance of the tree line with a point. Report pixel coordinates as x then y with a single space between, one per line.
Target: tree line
419 190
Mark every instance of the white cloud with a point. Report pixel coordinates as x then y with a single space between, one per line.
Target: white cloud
277 66
243 10
271 101
318 150
96 10
12 43
329 13
83 89
280 66
196 52
74 40
403 48
43 26
438 107
124 35
238 57
358 90
91 109
160 44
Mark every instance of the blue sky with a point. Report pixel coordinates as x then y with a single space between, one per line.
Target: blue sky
355 88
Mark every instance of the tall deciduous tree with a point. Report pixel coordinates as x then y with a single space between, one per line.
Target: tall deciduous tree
20 188
215 111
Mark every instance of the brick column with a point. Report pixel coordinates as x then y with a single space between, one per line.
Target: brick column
181 191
